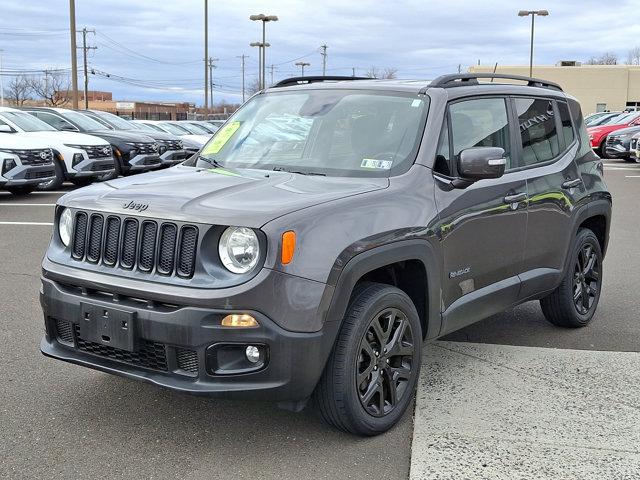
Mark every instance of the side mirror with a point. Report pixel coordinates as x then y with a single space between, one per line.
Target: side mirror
67 128
479 163
6 129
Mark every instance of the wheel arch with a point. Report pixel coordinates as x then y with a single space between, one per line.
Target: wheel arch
410 265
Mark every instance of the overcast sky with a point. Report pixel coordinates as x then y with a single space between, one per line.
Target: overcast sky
154 49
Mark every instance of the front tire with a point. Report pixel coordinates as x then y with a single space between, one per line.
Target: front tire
117 171
57 181
372 373
22 189
574 302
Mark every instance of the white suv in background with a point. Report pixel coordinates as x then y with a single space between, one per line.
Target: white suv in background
24 162
78 157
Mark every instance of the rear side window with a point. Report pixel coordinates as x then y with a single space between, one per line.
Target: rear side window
480 123
540 141
567 127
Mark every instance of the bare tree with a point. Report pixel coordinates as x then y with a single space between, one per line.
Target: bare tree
253 86
19 90
633 57
388 73
607 58
54 88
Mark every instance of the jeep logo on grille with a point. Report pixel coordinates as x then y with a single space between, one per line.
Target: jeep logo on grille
106 150
139 207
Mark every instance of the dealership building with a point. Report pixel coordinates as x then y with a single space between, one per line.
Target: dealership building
597 87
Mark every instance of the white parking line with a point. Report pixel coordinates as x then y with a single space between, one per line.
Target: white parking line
632 176
48 224
620 168
27 204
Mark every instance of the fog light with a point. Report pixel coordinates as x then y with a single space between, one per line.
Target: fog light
8 164
77 158
253 353
239 321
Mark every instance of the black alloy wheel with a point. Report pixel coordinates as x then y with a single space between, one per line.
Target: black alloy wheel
585 279
385 362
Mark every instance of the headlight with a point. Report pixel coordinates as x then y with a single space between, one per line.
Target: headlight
239 249
65 225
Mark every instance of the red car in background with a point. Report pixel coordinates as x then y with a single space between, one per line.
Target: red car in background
598 134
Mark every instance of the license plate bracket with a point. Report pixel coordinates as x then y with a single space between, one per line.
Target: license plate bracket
108 326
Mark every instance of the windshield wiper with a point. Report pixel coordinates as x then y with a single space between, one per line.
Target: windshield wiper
211 161
282 169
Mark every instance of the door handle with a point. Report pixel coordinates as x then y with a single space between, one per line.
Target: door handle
571 183
515 198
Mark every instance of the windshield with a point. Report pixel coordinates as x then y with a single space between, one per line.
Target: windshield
175 129
83 121
27 122
621 119
115 121
191 128
146 127
208 129
325 132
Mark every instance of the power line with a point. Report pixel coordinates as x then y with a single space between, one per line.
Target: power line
142 56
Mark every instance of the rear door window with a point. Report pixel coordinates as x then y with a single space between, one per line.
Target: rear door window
567 127
538 131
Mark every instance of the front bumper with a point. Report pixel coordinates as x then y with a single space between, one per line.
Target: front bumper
617 150
92 167
144 162
173 157
27 175
295 360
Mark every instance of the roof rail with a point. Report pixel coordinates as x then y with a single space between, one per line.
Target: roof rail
287 82
464 79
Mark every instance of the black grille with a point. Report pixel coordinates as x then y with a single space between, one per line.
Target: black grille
98 167
79 235
187 360
40 156
187 251
64 331
94 245
151 160
40 174
145 148
151 355
149 246
129 241
166 255
172 144
111 236
97 151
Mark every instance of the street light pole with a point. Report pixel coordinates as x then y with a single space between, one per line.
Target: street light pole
243 57
533 13
206 55
261 46
263 55
302 65
1 81
74 59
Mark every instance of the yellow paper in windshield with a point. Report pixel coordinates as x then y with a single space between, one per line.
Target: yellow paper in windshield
221 137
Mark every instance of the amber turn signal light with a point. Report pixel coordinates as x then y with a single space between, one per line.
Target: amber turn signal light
288 246
239 320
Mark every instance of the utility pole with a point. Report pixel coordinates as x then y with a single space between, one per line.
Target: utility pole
353 71
243 57
86 70
271 68
211 67
324 59
1 81
302 65
74 59
206 54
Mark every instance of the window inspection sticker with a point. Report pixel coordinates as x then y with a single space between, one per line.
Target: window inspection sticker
376 164
221 138
416 103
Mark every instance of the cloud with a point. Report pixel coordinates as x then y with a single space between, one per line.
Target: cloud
158 46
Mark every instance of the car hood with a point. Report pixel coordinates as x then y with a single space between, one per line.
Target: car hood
121 135
160 135
601 130
217 196
71 138
628 130
22 141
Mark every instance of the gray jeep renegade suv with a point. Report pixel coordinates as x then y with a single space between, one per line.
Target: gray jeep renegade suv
327 230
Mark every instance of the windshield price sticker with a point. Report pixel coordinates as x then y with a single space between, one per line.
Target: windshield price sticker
221 138
376 164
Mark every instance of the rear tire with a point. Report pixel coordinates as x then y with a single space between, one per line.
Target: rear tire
574 302
21 190
372 373
82 181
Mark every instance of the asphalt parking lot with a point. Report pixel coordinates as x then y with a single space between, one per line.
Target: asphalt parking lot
63 421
